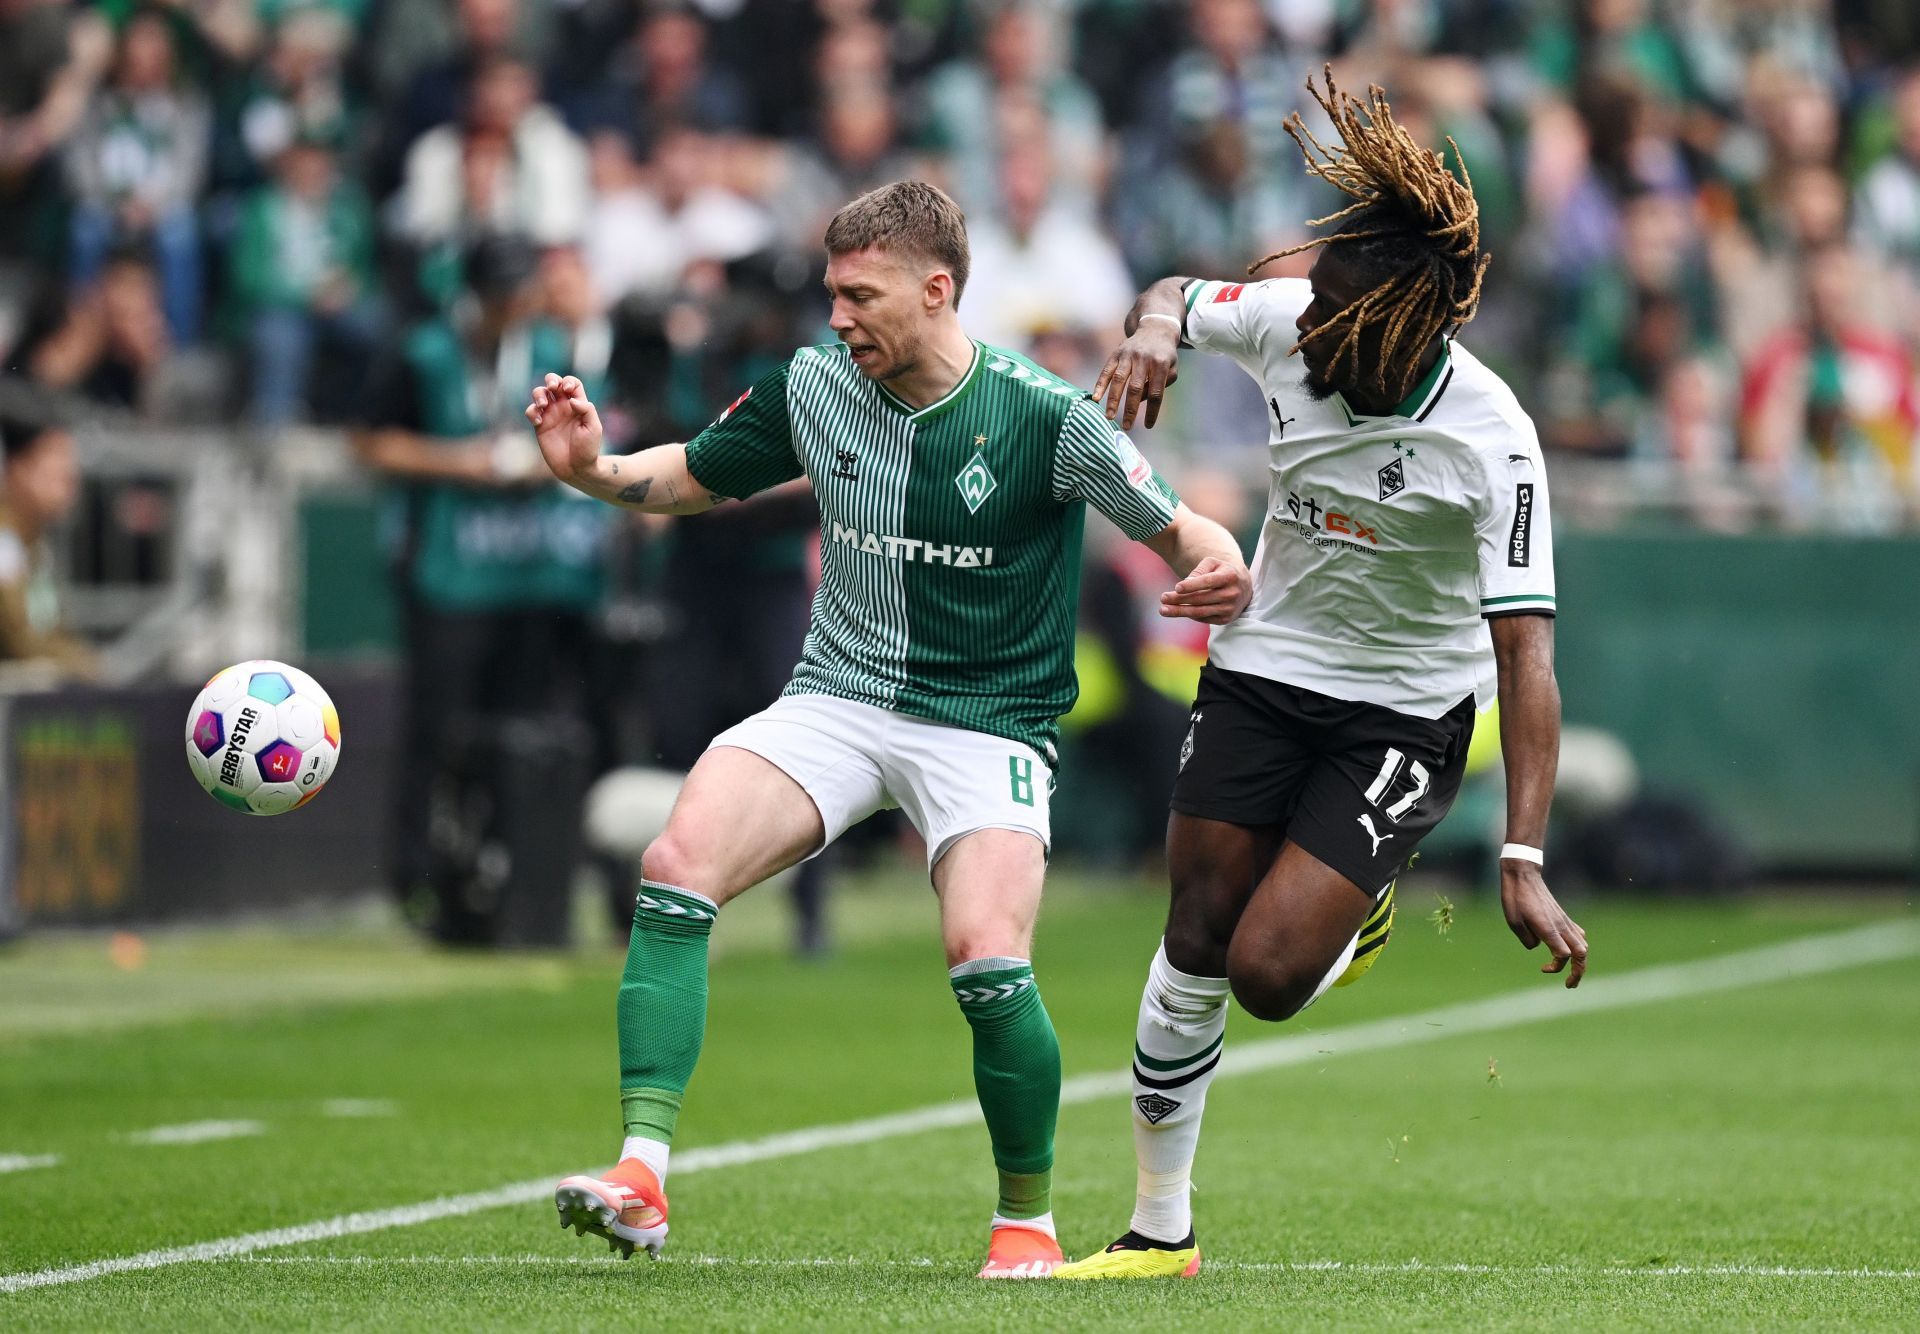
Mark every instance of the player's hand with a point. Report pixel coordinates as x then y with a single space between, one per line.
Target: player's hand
1537 918
567 427
1214 593
1139 371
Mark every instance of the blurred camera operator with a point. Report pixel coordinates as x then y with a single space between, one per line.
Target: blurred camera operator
500 568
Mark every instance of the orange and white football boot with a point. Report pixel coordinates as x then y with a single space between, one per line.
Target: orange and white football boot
626 1206
1020 1252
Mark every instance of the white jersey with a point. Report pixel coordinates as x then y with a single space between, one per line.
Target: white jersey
1388 540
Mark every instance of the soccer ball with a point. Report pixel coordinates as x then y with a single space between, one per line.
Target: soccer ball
263 737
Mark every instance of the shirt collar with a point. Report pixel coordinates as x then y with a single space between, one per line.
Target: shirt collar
1420 401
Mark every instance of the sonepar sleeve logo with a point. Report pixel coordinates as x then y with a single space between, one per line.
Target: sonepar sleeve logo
1520 540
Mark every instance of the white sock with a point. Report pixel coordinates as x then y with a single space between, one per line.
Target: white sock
649 1151
1044 1223
1333 973
1177 1048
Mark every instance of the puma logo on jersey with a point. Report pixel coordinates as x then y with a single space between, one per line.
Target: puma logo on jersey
1366 823
912 548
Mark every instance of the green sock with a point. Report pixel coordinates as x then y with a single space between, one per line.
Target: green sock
1016 1072
663 1006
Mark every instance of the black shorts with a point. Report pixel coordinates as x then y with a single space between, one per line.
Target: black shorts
1356 785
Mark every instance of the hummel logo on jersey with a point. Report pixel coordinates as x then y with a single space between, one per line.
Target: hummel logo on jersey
976 483
1155 1108
911 548
844 463
1366 823
1393 478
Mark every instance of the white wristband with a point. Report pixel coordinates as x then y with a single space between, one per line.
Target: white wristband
1156 315
1520 852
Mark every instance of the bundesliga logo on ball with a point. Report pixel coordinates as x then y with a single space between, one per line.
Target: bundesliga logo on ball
263 737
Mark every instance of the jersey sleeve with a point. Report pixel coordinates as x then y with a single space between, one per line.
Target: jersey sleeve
1515 532
1098 464
1239 320
749 447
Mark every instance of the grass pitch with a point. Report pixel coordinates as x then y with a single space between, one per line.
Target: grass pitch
1744 1155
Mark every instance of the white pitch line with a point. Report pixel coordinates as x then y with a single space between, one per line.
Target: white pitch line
26 1162
354 1108
1806 957
1237 1266
197 1132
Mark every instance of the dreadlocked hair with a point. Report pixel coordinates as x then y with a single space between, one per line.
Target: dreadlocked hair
1411 221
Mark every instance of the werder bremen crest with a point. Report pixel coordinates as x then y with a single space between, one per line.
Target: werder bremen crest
976 483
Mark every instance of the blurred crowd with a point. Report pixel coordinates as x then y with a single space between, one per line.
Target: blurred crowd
1705 214
389 215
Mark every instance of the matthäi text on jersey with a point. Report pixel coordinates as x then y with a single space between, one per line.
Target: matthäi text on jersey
913 548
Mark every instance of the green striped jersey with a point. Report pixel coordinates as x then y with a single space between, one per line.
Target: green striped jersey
950 534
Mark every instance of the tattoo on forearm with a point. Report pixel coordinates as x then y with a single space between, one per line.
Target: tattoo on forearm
635 493
616 469
673 492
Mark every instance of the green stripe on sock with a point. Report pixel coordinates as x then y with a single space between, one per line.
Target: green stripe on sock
650 1112
1025 1194
1147 1062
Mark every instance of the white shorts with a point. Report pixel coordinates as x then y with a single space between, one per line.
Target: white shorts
854 759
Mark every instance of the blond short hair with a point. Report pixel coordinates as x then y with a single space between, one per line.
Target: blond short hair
907 217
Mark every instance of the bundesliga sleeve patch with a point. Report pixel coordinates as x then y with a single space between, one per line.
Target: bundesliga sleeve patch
1520 540
1231 292
1139 471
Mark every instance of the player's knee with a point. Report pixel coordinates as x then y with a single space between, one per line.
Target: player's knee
669 860
1193 946
1270 989
985 941
1268 998
1200 923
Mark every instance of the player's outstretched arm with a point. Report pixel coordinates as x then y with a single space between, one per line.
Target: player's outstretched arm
1530 744
1141 368
1215 586
567 425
